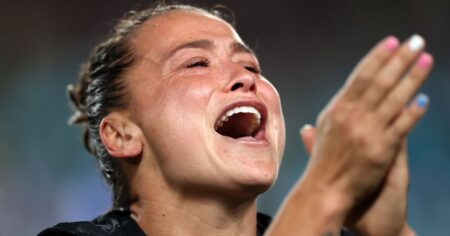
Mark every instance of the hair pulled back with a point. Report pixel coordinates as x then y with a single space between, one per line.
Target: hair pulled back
100 88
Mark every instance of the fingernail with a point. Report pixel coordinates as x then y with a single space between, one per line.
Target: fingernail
305 127
391 43
424 61
416 43
422 100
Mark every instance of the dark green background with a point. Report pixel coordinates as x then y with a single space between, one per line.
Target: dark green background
306 48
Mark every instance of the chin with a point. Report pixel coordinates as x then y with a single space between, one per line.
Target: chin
250 167
254 181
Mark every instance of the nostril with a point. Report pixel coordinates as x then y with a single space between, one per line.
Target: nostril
236 86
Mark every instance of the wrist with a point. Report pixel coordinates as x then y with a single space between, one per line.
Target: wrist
324 199
404 230
311 209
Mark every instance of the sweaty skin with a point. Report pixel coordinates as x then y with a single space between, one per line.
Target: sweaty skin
191 68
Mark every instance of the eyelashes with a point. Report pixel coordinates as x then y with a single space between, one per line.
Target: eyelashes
197 62
253 69
204 62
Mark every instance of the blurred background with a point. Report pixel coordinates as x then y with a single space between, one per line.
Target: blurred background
306 48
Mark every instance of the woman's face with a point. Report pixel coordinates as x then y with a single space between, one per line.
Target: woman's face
209 119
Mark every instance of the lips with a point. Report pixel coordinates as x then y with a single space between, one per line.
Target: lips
243 120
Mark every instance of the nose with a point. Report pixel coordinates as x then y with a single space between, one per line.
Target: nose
242 80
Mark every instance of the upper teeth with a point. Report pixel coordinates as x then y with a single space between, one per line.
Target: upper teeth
241 109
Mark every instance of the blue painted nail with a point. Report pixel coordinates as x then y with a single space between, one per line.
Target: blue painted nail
422 100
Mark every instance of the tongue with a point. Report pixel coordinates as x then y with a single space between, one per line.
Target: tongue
239 126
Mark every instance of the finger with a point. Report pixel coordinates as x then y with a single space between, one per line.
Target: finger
392 72
365 71
411 232
398 176
403 162
408 118
404 167
308 136
401 94
408 231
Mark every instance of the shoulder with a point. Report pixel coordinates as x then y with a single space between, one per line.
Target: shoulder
119 222
116 222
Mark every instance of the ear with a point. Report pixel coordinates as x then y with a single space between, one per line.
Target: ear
121 137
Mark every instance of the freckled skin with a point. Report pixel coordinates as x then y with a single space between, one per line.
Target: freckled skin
177 107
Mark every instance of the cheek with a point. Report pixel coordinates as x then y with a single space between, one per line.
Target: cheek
177 111
268 89
175 98
174 126
272 99
190 97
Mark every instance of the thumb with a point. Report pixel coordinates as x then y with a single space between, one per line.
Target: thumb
308 136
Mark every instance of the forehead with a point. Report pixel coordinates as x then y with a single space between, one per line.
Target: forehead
164 32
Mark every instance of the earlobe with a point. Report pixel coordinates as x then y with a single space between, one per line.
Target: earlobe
120 136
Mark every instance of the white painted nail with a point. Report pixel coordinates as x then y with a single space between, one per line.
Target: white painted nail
305 127
416 43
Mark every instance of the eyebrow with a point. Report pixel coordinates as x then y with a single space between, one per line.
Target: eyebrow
236 47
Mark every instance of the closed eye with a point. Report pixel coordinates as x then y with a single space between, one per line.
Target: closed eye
253 69
197 62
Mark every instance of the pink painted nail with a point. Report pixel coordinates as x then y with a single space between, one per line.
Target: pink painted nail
424 60
391 43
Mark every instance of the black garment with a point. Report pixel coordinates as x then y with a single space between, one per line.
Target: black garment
119 223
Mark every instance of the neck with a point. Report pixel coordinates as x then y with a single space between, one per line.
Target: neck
161 214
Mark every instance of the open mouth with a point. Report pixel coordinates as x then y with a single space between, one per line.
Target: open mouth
241 121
